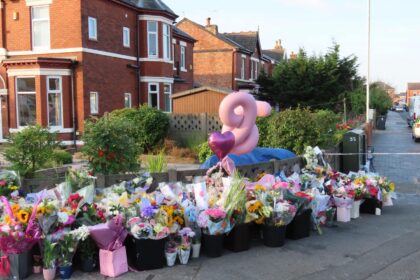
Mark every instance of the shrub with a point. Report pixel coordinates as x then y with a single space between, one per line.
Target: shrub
62 157
156 164
31 149
204 151
263 128
110 145
327 121
150 125
293 130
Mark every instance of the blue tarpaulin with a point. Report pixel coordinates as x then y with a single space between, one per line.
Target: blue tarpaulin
258 155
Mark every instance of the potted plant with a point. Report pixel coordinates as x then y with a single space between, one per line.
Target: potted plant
37 264
171 251
213 223
67 247
49 256
88 255
196 246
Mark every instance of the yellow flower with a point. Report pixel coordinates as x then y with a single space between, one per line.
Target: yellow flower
23 216
40 211
14 188
391 187
255 206
8 220
179 220
260 220
260 188
15 208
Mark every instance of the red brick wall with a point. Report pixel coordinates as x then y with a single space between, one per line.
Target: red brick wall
213 61
411 93
65 25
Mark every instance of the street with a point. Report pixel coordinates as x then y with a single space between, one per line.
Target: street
371 247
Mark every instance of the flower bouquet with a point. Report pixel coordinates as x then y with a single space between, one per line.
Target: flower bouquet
9 183
387 187
171 251
186 234
372 203
213 224
343 200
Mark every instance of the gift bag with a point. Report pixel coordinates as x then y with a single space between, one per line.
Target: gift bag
113 263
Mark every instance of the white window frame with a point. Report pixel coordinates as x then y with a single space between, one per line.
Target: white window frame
156 40
17 98
243 68
170 94
126 37
92 21
173 55
182 59
166 38
40 20
252 70
94 111
60 92
149 92
256 72
127 94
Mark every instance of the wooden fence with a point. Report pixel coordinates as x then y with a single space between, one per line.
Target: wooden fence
250 171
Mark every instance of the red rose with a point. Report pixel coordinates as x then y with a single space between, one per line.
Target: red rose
101 153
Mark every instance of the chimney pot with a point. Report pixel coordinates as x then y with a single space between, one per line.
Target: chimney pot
208 21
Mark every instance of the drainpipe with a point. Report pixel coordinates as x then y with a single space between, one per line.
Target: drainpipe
73 102
138 59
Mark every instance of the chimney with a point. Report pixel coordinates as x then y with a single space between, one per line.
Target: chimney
212 27
293 55
278 44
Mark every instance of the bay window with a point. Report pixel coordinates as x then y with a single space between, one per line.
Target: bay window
40 18
154 95
152 39
26 101
166 42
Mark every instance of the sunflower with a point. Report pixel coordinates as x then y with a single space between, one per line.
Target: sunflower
23 216
8 220
260 188
179 220
255 206
14 188
40 211
15 208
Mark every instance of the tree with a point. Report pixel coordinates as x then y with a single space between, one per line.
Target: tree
31 149
311 81
379 100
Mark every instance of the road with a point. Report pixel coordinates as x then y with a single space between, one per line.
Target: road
371 247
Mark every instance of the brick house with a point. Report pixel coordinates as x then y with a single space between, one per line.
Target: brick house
275 55
413 89
226 60
66 60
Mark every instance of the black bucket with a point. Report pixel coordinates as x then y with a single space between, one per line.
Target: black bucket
369 206
213 245
239 238
300 227
273 236
149 254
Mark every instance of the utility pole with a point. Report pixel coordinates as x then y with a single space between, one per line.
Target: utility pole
345 110
368 68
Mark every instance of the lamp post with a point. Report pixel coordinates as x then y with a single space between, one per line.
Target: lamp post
368 69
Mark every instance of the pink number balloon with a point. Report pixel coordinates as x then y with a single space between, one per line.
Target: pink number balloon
238 112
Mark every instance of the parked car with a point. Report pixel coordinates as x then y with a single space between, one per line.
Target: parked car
399 108
416 130
413 110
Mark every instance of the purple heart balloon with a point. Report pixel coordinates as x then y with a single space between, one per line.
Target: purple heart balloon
221 144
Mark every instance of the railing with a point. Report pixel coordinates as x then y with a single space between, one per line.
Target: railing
288 166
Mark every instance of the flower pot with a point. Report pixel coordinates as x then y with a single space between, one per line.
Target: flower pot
369 206
20 265
387 200
49 274
184 255
150 254
37 269
355 210
300 227
255 231
170 258
239 238
343 214
196 250
213 245
273 236
65 271
88 265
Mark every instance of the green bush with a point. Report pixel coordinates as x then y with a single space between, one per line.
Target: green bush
326 121
156 163
204 151
263 129
150 125
293 130
110 145
62 157
31 149
379 100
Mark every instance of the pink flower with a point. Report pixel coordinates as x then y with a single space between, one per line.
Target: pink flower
2 183
281 185
216 213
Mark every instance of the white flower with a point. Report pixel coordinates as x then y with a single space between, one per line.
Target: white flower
80 233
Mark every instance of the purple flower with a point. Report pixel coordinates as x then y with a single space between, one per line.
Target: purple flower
148 212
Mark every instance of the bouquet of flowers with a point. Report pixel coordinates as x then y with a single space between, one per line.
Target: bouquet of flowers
68 244
186 234
9 183
213 221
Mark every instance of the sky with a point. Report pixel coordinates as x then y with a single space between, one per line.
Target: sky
315 24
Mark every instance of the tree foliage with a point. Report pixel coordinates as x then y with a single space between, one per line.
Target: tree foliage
311 81
379 100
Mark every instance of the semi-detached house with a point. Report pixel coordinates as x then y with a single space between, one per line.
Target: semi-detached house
66 60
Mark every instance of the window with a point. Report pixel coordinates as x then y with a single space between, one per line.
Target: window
94 103
93 28
126 37
252 70
152 38
173 55
243 69
40 27
54 91
127 100
167 98
182 58
256 72
166 42
26 101
154 95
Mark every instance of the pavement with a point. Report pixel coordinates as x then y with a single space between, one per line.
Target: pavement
369 248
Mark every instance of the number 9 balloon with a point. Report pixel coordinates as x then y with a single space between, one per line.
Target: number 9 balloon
238 112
